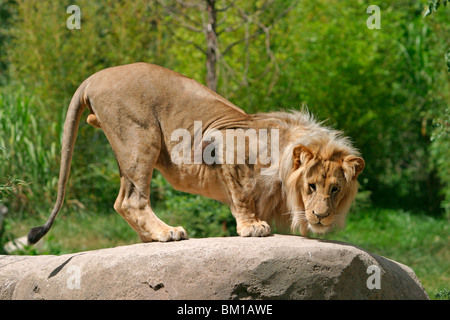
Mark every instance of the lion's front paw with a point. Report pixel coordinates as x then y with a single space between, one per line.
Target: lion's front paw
255 229
172 234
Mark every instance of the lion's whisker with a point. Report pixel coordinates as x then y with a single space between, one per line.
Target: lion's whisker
292 212
298 218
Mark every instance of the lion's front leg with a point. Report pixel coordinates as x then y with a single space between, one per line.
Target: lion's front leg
248 225
243 207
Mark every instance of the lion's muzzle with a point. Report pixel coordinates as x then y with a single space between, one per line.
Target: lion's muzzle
319 223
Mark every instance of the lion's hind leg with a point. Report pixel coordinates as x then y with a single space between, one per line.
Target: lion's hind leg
134 206
133 203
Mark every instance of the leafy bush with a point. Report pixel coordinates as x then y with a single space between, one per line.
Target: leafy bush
24 153
8 190
443 294
440 152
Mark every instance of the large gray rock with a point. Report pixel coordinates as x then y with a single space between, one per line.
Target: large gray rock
276 267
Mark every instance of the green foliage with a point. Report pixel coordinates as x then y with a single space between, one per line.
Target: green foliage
8 190
447 57
440 153
24 152
9 187
6 12
112 33
443 294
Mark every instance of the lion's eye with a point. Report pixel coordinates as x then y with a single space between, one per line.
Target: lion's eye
312 186
334 189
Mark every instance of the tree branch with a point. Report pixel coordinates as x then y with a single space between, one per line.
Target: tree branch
226 7
176 14
189 4
188 42
230 46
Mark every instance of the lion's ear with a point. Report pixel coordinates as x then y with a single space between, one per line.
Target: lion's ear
353 166
301 155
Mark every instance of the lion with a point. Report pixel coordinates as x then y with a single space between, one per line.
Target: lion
307 184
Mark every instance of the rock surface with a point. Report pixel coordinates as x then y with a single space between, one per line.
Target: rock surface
276 267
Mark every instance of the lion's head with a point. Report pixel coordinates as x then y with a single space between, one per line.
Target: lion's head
321 186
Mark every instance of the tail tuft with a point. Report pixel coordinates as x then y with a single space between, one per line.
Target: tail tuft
36 234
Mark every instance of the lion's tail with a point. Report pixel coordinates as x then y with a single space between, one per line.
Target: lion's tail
74 112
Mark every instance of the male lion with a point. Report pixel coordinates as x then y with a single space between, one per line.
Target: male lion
141 108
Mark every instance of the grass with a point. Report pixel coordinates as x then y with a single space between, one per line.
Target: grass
24 152
419 241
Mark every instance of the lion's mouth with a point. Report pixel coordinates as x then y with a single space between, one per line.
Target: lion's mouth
319 225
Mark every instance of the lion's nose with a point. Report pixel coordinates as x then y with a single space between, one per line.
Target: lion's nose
321 215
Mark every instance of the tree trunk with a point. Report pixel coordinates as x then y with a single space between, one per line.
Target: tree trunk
211 46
